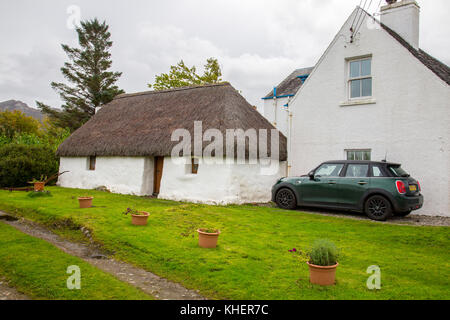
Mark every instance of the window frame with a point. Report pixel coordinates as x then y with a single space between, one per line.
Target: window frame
91 163
382 170
360 78
358 150
333 163
357 164
194 165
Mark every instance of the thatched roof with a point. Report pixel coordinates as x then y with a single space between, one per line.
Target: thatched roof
291 84
141 124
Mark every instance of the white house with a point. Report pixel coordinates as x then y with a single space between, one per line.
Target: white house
127 147
374 94
276 102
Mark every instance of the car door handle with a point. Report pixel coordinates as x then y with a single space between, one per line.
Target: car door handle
362 183
332 182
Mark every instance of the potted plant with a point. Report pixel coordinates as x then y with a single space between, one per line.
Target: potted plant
322 262
38 184
85 202
138 218
207 237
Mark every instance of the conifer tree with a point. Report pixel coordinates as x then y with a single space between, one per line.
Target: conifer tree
92 84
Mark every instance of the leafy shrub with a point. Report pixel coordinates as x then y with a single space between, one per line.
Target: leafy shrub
51 139
323 253
22 163
12 122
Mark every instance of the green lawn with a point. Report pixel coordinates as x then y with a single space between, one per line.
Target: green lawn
252 260
39 270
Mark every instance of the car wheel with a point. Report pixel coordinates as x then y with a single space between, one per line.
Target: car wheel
285 199
378 208
403 214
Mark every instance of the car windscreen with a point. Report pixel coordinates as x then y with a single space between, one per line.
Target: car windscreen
398 171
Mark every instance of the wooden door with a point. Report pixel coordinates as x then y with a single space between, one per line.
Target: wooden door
159 163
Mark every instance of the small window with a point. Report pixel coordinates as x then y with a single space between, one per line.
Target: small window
360 78
192 166
329 170
91 163
377 171
357 170
359 154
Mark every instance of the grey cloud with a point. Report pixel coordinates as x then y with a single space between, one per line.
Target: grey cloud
258 42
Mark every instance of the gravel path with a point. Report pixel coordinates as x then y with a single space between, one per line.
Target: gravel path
416 220
150 283
412 219
9 293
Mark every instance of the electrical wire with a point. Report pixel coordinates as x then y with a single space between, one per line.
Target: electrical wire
379 5
354 19
359 27
360 15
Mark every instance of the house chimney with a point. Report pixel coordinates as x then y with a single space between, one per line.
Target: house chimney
403 17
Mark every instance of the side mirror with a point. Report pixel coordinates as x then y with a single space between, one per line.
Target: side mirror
311 175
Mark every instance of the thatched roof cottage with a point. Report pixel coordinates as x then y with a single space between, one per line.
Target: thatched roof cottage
128 148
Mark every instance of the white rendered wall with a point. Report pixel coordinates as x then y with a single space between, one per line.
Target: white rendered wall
281 118
126 175
217 183
408 118
214 183
404 18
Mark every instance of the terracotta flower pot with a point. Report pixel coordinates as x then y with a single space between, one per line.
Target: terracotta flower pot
140 220
39 186
207 240
324 276
85 202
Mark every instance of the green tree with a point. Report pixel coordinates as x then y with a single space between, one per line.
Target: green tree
16 122
181 75
88 71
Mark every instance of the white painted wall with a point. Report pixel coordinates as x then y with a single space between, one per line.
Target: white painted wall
126 175
408 118
214 183
403 17
217 183
277 114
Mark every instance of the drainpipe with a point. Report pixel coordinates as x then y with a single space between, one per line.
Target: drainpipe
275 106
289 136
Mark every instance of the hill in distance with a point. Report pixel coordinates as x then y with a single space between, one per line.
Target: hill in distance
12 105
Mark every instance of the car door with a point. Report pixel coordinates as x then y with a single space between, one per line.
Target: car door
353 185
322 190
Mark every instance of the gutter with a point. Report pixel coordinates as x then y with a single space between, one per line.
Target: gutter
277 97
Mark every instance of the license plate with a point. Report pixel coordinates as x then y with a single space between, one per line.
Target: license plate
412 188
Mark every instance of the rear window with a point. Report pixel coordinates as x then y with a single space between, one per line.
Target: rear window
377 171
398 171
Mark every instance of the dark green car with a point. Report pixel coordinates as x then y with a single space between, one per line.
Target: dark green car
378 189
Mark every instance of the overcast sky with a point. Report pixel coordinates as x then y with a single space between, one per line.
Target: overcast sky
257 42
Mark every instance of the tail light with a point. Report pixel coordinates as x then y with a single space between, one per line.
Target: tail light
401 188
418 184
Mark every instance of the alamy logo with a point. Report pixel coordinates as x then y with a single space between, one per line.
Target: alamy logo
74 281
237 146
374 281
